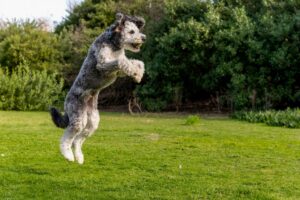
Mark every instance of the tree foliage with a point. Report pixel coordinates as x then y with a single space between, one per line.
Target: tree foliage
28 42
236 54
246 53
243 53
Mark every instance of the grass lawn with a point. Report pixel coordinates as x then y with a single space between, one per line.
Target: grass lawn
149 157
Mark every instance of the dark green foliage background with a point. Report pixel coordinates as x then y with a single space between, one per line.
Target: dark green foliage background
244 53
247 53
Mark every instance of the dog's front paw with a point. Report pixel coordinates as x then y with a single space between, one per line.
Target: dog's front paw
138 70
132 68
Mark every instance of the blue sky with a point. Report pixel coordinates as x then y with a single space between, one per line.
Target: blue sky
52 10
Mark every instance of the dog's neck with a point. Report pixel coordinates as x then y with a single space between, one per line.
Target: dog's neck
115 40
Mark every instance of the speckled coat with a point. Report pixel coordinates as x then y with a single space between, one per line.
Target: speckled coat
104 63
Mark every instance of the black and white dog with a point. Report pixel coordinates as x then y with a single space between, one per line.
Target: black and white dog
105 62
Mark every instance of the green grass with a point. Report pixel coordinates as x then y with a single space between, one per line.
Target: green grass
150 157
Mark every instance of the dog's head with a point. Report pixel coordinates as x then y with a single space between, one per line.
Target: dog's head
127 32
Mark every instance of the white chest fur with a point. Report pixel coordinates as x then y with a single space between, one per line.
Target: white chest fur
106 54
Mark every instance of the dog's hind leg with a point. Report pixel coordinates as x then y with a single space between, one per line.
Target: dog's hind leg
74 128
93 119
92 125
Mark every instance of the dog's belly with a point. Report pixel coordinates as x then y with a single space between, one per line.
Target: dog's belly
92 87
107 81
96 80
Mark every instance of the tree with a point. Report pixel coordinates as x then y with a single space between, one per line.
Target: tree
245 53
27 42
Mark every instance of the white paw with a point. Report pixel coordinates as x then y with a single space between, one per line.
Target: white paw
79 157
67 152
138 70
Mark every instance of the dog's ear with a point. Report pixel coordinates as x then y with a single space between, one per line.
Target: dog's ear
119 23
140 22
119 17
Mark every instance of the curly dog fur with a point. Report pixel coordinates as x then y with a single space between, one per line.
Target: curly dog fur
105 62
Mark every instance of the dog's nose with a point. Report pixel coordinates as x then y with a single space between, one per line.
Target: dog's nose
143 38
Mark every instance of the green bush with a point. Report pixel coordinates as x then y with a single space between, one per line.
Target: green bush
286 118
25 89
29 42
244 52
192 120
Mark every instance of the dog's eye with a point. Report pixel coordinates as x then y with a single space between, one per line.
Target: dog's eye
131 32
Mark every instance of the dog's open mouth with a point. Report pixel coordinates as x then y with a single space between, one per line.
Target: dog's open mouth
136 45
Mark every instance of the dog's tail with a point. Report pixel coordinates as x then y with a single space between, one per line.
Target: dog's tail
61 121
